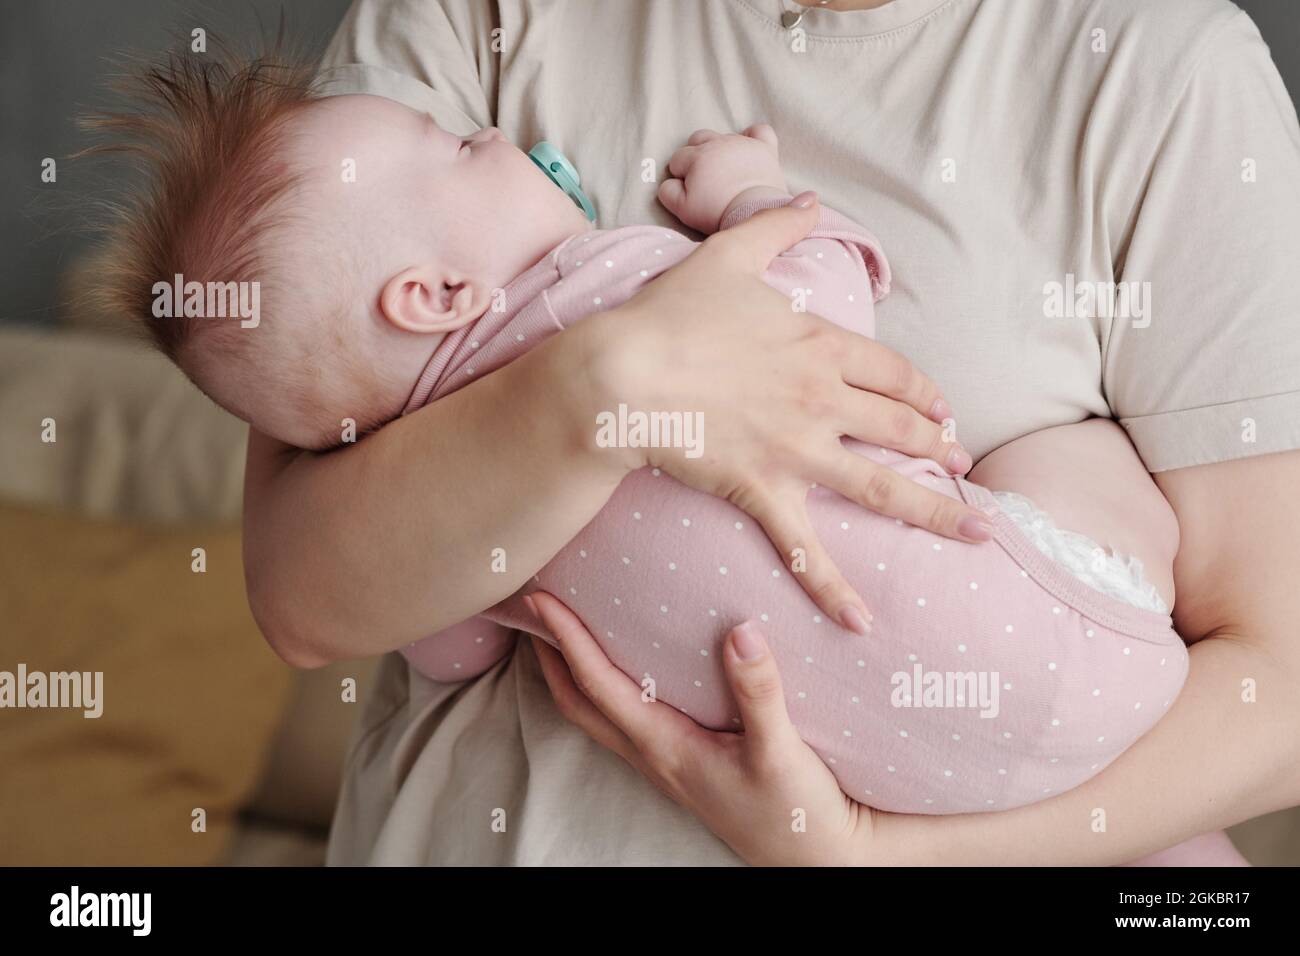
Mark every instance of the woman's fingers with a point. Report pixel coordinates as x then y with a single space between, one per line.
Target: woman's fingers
575 707
886 492
743 786
701 136
868 365
582 713
762 237
895 425
756 685
628 707
785 522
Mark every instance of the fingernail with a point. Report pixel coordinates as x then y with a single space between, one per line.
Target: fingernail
975 527
854 620
804 199
748 642
940 411
532 606
959 461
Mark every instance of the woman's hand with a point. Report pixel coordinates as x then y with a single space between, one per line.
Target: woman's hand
764 792
335 572
777 390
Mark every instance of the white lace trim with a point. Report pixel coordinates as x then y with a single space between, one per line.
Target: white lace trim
1111 573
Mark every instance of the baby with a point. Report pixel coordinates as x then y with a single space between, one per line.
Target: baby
995 674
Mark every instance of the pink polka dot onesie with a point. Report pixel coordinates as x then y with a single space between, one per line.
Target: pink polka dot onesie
994 676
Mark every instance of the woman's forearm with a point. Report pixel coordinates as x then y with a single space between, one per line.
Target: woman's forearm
433 518
368 548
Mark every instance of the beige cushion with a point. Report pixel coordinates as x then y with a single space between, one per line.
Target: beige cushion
134 439
191 693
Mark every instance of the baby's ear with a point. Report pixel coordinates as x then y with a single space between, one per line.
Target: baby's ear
428 300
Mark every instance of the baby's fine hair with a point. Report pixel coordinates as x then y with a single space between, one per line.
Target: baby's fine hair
205 130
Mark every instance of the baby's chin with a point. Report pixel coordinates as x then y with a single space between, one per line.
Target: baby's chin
552 204
299 432
575 220
548 220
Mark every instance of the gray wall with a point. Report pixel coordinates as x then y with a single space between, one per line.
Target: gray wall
52 60
1279 21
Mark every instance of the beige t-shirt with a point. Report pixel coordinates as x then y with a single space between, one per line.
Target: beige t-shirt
1019 160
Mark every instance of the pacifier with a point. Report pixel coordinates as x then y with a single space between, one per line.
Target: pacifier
561 172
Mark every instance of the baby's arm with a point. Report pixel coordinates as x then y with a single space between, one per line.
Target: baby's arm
720 180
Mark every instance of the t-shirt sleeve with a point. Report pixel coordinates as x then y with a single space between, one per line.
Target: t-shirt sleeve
436 56
1209 369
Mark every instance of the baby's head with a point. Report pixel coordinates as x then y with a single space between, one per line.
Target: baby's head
370 233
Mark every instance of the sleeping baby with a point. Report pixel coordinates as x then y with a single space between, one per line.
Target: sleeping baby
994 674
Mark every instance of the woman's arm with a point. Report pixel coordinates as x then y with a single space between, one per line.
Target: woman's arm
366 548
370 547
1228 750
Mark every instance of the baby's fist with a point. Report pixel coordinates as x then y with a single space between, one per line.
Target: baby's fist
712 169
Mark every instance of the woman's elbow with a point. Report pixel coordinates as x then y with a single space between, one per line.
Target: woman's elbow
283 632
295 653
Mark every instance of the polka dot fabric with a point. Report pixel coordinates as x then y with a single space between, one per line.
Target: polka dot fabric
992 678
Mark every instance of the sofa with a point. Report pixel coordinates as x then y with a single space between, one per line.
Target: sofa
114 470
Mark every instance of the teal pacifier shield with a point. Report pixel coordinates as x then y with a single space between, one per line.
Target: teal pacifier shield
561 172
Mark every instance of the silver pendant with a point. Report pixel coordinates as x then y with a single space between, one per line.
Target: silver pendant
791 18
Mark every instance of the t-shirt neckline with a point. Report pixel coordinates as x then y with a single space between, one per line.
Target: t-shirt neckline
861 24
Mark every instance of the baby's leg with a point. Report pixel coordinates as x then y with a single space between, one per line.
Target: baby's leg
1089 478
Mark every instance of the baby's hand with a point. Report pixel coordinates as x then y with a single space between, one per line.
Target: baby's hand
713 169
